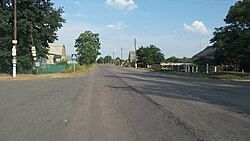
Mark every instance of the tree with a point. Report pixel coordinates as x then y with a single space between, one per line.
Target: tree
173 59
87 46
117 61
232 42
35 18
149 55
107 59
100 60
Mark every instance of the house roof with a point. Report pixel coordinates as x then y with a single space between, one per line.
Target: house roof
56 49
208 52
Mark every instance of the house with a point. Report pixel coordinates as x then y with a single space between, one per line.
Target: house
131 56
207 53
57 53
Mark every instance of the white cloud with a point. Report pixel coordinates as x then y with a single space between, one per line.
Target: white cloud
196 27
116 26
122 4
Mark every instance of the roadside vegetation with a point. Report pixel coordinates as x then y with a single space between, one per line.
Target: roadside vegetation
149 55
232 41
37 24
80 69
87 47
146 56
69 72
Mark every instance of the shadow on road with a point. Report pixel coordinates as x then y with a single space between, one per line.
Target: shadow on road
232 95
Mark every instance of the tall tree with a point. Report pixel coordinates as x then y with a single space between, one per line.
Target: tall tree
37 23
87 46
232 41
5 35
149 55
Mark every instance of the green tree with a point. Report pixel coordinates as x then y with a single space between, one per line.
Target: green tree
87 46
173 59
34 17
149 55
232 41
108 59
100 60
118 61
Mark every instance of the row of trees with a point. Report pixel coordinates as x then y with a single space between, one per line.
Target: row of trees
109 60
36 19
105 60
145 56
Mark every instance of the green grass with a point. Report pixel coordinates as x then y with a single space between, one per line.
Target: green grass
79 69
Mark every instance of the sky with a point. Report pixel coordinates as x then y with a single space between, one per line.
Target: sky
179 28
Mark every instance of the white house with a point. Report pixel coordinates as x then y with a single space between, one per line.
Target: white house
57 53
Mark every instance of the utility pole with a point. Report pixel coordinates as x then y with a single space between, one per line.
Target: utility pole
14 41
33 50
135 53
121 55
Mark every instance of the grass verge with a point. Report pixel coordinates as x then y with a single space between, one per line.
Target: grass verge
78 69
65 74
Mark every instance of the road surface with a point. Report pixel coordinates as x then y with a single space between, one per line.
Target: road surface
114 103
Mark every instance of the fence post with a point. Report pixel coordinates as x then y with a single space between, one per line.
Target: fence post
242 71
185 68
207 71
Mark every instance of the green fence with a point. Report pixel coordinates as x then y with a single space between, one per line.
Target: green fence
52 69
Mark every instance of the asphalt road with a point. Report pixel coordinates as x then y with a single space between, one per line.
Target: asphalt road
112 103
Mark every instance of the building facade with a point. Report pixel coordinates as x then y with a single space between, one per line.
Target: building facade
57 53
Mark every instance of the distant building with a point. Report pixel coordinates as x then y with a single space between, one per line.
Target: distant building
131 56
57 53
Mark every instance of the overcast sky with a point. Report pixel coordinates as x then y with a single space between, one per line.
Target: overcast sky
178 27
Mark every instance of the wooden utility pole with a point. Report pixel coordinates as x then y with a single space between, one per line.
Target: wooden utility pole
15 27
